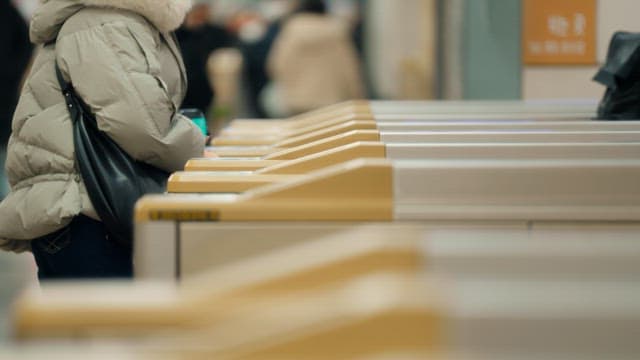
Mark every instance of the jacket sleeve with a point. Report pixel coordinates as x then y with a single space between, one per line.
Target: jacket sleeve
115 69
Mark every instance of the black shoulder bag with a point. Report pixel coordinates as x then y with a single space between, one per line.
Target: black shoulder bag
621 75
114 180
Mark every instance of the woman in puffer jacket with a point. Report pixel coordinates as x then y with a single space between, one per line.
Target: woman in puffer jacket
124 63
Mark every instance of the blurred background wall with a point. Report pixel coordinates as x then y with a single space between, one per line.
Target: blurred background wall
401 48
480 51
575 81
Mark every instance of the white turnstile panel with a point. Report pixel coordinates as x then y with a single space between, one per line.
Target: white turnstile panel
514 151
565 318
565 251
451 126
518 189
471 106
508 137
486 116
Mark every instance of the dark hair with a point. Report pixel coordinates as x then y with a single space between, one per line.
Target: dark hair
312 6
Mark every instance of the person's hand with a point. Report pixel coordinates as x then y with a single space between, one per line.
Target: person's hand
209 153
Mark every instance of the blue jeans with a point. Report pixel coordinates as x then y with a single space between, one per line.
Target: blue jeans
82 250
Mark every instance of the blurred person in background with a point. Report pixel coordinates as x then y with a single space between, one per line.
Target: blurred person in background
122 62
313 63
15 53
198 38
256 40
257 37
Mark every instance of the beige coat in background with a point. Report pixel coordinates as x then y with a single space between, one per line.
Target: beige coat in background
314 63
125 66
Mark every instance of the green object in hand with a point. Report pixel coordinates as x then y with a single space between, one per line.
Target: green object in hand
198 118
202 124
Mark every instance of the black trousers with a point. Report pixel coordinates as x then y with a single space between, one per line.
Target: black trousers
82 250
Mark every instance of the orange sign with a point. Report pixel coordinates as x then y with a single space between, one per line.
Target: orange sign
559 32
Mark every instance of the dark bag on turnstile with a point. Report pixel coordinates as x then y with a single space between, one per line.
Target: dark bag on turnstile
114 180
621 75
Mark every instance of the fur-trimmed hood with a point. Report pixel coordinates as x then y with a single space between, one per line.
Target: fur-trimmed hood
166 15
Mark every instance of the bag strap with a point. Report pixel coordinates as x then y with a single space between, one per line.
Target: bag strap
73 101
65 86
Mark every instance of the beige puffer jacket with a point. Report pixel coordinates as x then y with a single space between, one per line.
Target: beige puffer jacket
124 64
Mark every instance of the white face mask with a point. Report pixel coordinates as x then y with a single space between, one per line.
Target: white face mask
253 31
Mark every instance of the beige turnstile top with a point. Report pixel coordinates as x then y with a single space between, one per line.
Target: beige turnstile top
375 189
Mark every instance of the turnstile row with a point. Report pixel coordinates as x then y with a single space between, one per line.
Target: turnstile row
288 139
435 110
266 152
224 176
489 309
380 271
371 149
443 189
379 190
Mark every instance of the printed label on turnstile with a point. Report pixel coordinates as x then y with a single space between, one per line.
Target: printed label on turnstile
184 215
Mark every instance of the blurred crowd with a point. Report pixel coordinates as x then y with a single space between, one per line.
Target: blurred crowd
292 56
257 59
